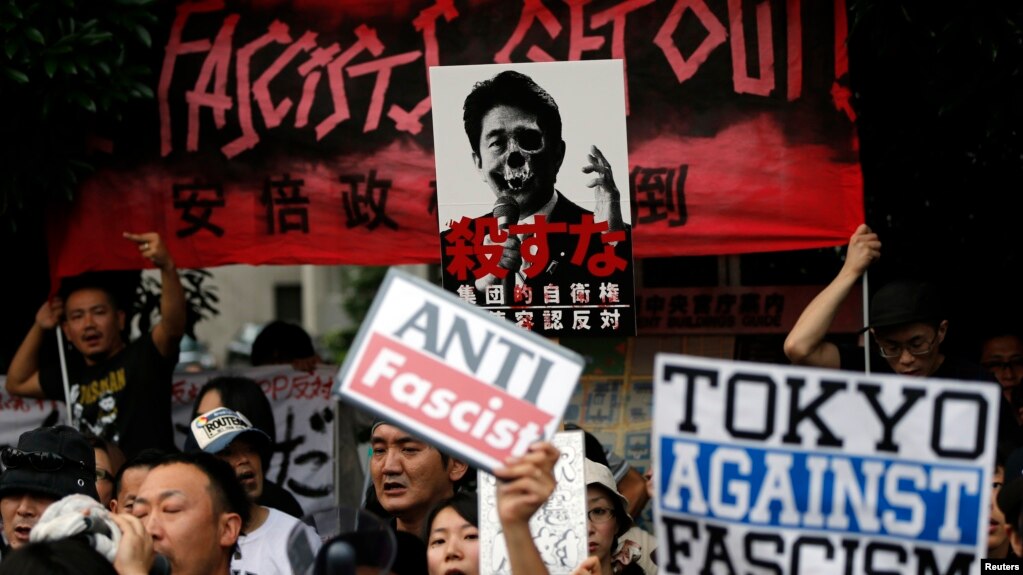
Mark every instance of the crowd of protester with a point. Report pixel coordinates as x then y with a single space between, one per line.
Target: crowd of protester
111 494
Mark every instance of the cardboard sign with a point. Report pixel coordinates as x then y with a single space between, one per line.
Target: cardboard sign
764 468
477 386
534 208
558 528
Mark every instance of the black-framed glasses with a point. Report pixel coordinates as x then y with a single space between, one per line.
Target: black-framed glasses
599 515
14 458
916 346
1014 363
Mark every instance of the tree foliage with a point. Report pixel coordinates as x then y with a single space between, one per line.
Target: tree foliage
201 300
360 285
67 67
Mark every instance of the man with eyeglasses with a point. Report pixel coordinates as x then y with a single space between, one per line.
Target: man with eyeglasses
49 463
1001 354
109 460
907 323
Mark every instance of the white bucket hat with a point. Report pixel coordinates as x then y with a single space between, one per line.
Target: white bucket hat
597 474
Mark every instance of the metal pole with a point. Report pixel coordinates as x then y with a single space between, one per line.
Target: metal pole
866 321
64 378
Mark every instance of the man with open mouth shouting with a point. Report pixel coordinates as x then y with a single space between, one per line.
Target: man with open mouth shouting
263 545
410 476
48 464
119 390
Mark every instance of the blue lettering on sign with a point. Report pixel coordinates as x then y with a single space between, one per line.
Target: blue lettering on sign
824 491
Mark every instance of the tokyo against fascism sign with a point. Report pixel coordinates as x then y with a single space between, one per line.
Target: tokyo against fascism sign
794 470
475 385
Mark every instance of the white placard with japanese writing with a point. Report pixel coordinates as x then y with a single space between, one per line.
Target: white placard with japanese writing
558 528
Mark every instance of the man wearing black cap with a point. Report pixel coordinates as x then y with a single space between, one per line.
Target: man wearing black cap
906 320
263 545
48 464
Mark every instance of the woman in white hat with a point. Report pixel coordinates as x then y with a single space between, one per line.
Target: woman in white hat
607 518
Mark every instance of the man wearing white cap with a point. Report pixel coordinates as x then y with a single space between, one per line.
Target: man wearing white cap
263 545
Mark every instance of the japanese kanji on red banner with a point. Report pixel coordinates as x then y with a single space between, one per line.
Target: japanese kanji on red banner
286 132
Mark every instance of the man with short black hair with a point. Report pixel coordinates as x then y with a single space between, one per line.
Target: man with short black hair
109 460
130 477
410 476
119 391
49 463
907 322
1001 354
193 507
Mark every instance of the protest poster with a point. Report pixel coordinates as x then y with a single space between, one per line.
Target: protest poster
778 469
301 132
558 528
452 374
553 258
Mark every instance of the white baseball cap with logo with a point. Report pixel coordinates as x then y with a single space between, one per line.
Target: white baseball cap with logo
214 430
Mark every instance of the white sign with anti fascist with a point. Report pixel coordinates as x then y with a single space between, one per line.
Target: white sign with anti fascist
477 386
778 469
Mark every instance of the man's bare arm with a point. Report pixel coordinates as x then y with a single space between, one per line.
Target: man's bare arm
525 484
23 373
805 344
168 332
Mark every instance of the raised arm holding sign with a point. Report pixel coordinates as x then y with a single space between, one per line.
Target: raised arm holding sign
455 376
801 470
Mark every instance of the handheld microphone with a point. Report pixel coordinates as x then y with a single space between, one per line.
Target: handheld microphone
161 565
506 211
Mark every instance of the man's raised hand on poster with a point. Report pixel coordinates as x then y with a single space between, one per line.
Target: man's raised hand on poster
605 192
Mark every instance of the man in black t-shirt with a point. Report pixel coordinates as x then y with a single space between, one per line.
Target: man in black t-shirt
119 391
907 322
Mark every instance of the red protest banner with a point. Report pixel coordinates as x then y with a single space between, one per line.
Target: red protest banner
301 133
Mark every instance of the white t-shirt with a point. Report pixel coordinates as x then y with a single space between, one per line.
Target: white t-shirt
265 550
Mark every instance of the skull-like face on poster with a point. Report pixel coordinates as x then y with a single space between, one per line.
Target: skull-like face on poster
516 158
